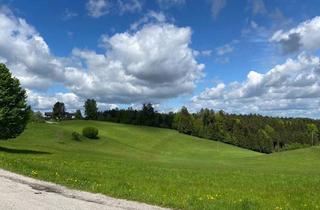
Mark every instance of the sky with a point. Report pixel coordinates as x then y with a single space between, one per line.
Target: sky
244 56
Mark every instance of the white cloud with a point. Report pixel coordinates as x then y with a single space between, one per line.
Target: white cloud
257 7
151 64
225 49
223 52
151 17
97 8
24 51
45 102
211 93
129 6
68 14
169 3
105 106
306 36
222 60
217 6
285 89
206 52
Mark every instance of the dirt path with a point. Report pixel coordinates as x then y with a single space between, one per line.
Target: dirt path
20 192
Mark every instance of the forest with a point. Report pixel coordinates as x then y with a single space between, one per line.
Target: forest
256 132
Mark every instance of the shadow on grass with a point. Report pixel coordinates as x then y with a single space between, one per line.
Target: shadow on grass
22 151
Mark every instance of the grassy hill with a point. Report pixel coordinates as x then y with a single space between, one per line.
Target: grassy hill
163 167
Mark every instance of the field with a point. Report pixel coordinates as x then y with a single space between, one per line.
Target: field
163 167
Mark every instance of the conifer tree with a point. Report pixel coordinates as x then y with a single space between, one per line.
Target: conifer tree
14 111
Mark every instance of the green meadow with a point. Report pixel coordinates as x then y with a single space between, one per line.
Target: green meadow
165 168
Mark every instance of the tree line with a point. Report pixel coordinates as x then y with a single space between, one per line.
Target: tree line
146 116
255 132
252 131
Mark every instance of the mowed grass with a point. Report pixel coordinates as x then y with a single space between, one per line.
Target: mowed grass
163 167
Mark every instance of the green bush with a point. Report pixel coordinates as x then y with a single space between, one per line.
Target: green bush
76 136
294 146
90 132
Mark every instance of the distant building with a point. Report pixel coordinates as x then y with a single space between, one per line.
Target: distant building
67 115
48 115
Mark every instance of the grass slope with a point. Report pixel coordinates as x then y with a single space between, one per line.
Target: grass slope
163 167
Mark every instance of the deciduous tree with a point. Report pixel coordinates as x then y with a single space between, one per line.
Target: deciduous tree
91 109
313 130
78 115
58 111
184 121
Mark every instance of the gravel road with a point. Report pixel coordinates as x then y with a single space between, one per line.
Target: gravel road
22 193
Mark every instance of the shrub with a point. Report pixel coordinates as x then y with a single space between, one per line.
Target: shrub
76 136
294 146
90 132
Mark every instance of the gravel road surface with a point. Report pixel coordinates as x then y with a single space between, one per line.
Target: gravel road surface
22 193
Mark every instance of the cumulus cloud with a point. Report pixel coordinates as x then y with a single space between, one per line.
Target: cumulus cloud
151 64
42 101
211 93
306 36
217 6
45 102
287 88
24 50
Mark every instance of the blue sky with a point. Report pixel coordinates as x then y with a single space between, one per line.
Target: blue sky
246 56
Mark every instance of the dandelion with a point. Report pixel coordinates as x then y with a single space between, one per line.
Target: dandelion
34 173
210 197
